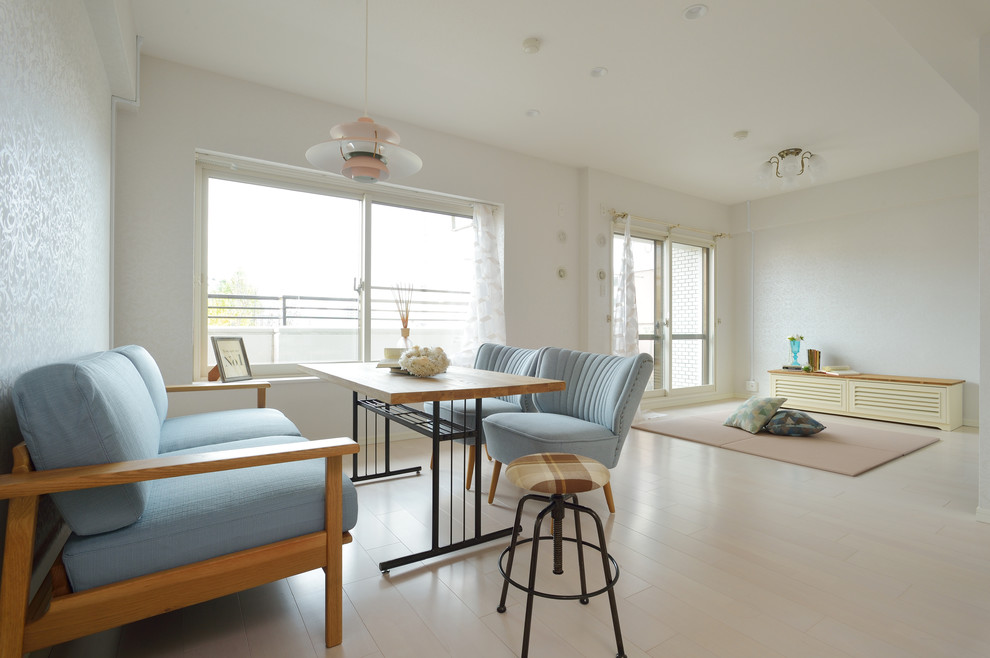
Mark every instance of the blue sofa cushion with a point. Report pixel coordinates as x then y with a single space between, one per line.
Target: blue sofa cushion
92 410
212 427
146 366
198 517
513 435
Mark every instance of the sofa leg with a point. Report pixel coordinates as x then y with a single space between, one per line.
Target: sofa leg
608 497
496 469
334 572
18 549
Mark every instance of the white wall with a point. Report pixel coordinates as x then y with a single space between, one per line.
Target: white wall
880 273
54 198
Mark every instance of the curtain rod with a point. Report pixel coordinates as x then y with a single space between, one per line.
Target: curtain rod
617 215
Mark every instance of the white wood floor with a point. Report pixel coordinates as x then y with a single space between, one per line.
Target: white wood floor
722 554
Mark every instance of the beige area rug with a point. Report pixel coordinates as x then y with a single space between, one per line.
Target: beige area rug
839 448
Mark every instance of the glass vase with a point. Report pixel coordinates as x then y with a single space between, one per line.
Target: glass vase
795 348
404 343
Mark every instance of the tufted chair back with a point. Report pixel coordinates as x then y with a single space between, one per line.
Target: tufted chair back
601 388
514 360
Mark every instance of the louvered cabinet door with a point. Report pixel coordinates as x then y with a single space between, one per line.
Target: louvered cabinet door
906 403
810 393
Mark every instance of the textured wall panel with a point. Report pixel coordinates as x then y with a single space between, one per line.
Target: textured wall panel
54 194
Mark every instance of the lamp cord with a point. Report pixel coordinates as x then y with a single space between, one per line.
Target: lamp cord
366 4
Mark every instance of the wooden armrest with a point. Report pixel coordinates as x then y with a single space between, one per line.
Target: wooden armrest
260 384
36 483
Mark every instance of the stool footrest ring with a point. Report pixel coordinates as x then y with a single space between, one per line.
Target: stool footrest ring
559 597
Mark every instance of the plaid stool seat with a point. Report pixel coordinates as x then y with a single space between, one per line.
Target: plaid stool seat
557 473
557 478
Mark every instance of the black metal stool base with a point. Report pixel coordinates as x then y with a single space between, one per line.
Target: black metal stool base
557 504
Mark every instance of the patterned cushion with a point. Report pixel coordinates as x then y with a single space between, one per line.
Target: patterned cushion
754 414
557 473
791 422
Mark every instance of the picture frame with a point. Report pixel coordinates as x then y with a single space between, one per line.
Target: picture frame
232 359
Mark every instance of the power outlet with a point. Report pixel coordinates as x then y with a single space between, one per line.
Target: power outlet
752 386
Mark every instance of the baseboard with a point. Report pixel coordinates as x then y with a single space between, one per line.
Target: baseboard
667 401
983 515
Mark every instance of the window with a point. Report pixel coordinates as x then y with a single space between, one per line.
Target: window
304 268
673 301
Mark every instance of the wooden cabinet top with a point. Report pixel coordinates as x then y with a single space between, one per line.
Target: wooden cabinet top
897 379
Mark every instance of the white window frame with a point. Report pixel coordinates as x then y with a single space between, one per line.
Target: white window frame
668 237
210 164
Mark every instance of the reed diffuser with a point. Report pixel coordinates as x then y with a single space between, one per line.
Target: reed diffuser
403 300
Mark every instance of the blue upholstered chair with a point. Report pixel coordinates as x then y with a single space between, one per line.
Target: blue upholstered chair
497 358
590 417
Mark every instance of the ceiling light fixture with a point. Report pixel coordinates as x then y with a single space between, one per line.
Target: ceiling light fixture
599 72
531 46
363 150
788 164
695 12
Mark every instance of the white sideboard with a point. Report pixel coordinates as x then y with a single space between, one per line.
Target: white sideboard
914 400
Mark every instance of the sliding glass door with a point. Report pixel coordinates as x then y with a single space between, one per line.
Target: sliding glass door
673 302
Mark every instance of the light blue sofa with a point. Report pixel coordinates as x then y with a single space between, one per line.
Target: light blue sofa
110 408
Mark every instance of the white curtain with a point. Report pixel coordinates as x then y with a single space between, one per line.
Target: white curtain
486 310
625 322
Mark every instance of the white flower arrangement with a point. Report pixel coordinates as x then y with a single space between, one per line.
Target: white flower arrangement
424 361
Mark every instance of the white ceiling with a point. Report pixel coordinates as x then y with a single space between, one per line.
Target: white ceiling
870 85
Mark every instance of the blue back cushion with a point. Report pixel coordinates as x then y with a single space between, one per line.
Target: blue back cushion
152 376
92 410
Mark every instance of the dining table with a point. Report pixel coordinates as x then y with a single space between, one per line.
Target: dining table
395 396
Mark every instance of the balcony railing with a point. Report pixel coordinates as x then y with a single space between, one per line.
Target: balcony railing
427 306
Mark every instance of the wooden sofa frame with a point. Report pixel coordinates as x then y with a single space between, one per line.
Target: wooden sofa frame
57 615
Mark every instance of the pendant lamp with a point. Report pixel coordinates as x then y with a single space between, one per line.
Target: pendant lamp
363 150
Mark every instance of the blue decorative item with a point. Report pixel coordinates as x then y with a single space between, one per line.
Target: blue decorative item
795 348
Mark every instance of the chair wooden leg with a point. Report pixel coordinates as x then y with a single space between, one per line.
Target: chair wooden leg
470 467
608 497
496 469
487 453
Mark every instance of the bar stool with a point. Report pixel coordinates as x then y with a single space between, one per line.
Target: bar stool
562 476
